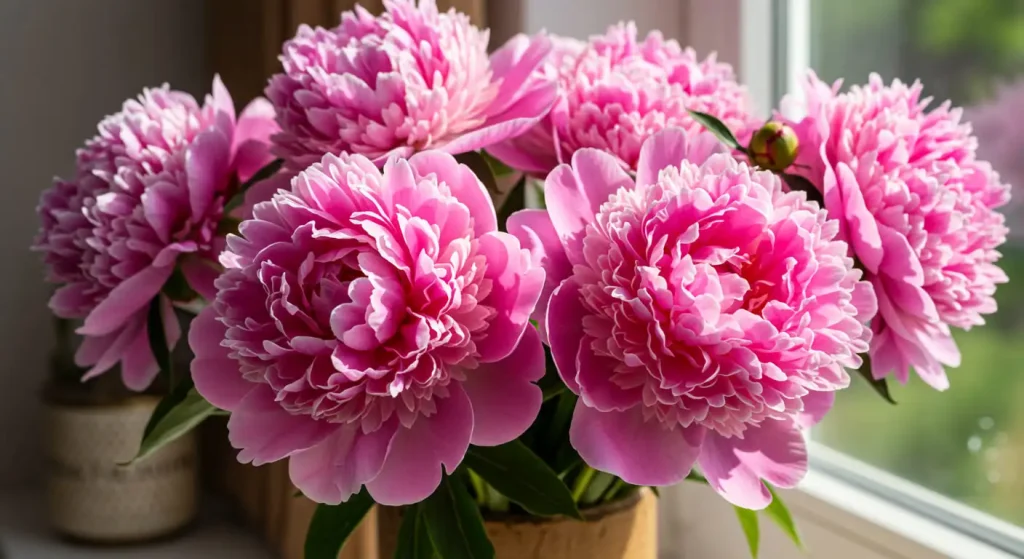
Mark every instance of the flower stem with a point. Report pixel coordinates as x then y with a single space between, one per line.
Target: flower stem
579 487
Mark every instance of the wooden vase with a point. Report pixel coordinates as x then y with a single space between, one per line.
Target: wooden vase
624 529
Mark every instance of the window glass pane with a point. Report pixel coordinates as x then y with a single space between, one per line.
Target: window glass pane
967 443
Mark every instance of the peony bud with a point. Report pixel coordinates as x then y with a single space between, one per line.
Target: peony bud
774 147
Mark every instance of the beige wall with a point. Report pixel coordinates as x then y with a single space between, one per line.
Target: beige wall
64 64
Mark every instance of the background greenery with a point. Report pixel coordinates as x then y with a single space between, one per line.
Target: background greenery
967 443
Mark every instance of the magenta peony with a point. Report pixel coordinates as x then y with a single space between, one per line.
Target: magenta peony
918 210
703 315
410 80
147 196
371 326
616 91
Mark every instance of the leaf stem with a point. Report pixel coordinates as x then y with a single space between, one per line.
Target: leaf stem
579 487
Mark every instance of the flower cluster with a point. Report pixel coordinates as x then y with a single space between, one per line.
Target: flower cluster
918 209
145 201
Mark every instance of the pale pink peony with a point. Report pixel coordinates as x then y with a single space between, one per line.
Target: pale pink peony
918 210
410 80
371 326
616 91
147 196
703 315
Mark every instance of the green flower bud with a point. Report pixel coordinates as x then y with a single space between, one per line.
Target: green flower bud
774 147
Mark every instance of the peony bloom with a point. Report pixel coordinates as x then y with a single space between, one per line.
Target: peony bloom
918 210
148 194
371 326
410 80
1000 142
616 91
702 315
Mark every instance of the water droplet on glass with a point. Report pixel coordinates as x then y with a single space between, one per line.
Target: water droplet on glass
994 477
986 423
974 444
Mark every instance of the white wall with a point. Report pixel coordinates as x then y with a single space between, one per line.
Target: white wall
64 65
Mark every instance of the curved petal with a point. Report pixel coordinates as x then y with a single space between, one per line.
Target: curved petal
412 469
110 348
464 185
773 451
564 325
489 134
641 452
515 288
816 405
503 394
221 100
597 389
263 191
861 226
131 296
515 67
138 366
208 166
335 469
251 142
667 148
216 376
264 432
200 274
535 232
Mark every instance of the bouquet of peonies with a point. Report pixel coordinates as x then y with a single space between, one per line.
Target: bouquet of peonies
375 305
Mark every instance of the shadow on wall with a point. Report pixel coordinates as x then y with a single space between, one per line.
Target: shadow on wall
67 64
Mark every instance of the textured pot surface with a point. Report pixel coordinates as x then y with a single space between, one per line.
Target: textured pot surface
92 498
625 529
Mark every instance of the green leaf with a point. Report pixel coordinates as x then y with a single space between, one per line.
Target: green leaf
879 384
166 404
332 524
519 474
497 167
779 514
748 521
655 490
263 174
180 419
481 168
454 523
796 182
695 476
413 539
718 128
157 337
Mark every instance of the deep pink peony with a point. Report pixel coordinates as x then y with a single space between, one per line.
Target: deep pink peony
703 315
410 80
918 210
147 196
371 326
616 91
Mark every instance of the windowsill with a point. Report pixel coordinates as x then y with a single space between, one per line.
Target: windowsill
24 534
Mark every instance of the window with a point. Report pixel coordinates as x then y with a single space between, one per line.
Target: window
967 443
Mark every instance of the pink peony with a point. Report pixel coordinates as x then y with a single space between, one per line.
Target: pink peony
371 326
917 208
703 315
412 79
1001 142
616 91
148 194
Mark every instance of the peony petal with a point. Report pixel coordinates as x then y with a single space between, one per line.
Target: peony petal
504 397
412 469
263 191
138 366
516 286
208 165
264 432
488 135
667 148
535 232
129 297
565 330
220 99
816 405
641 452
774 451
217 377
514 65
200 274
341 464
597 389
464 185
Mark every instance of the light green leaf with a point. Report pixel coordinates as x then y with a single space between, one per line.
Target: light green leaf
454 523
180 419
751 529
779 514
333 524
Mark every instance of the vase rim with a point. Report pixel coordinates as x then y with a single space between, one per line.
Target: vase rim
590 514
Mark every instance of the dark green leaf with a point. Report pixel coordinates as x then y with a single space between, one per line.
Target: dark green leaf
454 523
551 383
263 174
695 476
514 201
779 514
879 384
176 396
796 182
180 419
483 171
718 128
157 337
332 524
519 474
497 167
751 529
413 539
656 492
